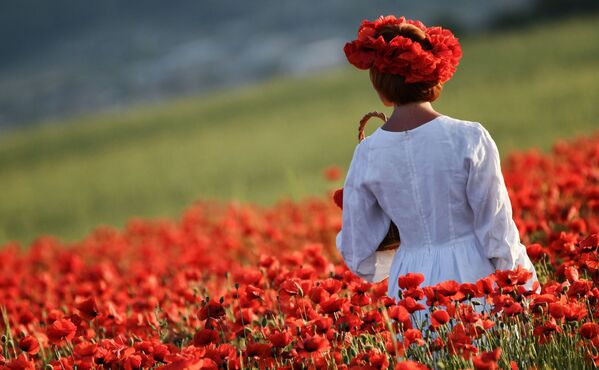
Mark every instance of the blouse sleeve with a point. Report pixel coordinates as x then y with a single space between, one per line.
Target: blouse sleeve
364 224
492 209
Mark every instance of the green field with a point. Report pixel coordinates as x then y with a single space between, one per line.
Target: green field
262 143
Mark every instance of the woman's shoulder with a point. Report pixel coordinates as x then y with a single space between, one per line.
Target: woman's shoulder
468 136
464 126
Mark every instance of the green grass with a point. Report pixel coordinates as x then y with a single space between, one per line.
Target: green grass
263 143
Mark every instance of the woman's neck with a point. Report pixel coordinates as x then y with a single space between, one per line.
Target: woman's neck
409 116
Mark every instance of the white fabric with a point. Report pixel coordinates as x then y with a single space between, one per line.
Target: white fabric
441 184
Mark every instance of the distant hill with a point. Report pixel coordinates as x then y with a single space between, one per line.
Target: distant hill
65 57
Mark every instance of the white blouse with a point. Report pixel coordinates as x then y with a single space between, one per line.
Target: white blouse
441 184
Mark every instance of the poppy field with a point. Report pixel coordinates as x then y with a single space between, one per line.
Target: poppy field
238 286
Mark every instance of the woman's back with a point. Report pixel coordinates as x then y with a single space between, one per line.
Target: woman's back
441 184
419 178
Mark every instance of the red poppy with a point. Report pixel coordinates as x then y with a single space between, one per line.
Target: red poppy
448 288
291 287
546 330
410 280
589 330
571 273
536 252
85 349
360 300
258 349
88 308
349 322
322 323
332 173
438 318
508 279
333 304
20 363
61 330
486 284
470 290
580 287
576 311
205 336
399 313
487 360
460 342
590 243
316 343
411 305
30 345
557 310
280 339
413 336
211 309
331 285
318 293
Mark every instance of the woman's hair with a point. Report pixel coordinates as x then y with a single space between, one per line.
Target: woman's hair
392 86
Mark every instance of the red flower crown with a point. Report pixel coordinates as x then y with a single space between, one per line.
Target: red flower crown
401 55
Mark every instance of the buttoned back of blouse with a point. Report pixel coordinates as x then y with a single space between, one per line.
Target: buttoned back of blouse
441 184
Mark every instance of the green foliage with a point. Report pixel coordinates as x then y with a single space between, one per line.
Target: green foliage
268 142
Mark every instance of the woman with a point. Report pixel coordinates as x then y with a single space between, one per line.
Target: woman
436 177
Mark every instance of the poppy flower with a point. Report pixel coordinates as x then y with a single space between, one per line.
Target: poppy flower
332 173
590 243
399 313
348 322
487 360
557 310
333 304
258 349
20 363
211 309
87 308
589 330
205 336
279 339
30 345
545 330
411 305
536 252
61 330
413 336
508 279
410 280
580 287
439 318
470 290
316 343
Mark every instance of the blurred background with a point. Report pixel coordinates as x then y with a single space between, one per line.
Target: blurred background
112 110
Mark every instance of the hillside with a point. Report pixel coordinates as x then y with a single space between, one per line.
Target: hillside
262 143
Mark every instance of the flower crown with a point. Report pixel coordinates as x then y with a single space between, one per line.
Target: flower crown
401 55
